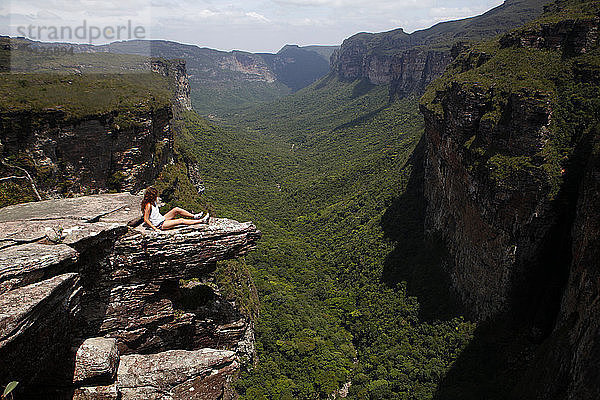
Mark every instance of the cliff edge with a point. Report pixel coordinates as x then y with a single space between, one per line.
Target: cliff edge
94 307
511 183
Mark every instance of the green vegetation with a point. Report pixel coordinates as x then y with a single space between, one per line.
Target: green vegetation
83 95
9 389
545 79
215 99
325 175
350 289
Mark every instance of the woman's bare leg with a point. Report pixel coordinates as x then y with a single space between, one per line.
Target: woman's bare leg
172 223
178 211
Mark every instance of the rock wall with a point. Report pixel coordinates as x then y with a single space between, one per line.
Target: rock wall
521 224
96 153
89 155
102 309
407 71
494 212
176 71
410 62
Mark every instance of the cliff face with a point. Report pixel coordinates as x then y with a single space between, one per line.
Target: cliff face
120 149
409 62
511 183
100 309
176 72
90 154
409 70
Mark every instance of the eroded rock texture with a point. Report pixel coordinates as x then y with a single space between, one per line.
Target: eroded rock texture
409 62
520 223
121 150
83 289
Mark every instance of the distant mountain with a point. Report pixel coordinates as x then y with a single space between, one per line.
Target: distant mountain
409 62
324 51
297 67
221 80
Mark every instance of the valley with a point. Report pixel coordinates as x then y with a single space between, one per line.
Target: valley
427 203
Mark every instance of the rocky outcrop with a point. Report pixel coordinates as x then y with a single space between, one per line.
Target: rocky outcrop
493 185
119 150
92 289
408 69
511 183
96 360
176 71
410 62
177 374
492 216
89 154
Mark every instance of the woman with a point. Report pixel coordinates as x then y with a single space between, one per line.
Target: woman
155 220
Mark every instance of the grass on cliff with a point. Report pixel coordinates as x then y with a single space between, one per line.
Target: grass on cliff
79 96
544 79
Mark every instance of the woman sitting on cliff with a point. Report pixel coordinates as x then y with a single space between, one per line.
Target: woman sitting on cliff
155 220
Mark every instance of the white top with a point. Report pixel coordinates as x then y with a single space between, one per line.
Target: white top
155 216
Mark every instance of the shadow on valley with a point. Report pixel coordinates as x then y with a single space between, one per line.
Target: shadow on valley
418 259
519 354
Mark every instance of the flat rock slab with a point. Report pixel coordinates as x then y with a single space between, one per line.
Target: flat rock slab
97 393
163 375
25 264
118 208
21 308
66 231
96 361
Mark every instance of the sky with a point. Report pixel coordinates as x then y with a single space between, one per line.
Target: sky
251 25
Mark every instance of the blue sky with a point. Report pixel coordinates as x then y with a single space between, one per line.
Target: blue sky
252 25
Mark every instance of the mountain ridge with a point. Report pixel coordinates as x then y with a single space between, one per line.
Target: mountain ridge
409 62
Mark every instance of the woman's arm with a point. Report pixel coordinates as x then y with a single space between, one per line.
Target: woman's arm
147 217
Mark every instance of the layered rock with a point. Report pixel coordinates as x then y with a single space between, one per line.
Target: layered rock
511 183
122 291
176 71
91 153
120 149
495 190
409 62
492 219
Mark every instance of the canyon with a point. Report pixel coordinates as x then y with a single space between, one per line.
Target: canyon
378 219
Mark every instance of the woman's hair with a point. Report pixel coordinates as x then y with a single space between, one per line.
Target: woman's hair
150 196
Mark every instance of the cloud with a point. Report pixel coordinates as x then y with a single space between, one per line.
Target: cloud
257 17
245 24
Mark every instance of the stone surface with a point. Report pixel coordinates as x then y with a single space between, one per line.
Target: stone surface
36 326
118 207
175 374
97 393
138 289
142 291
29 263
96 361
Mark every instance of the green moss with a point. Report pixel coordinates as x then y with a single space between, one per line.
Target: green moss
115 181
503 167
235 280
